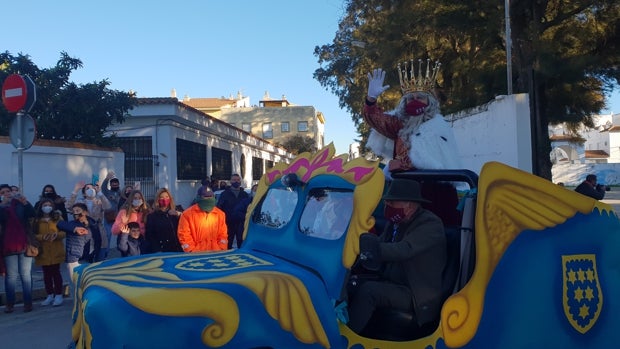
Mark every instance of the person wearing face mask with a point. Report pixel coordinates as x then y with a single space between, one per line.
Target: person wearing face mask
124 195
241 209
162 224
52 251
49 192
96 203
227 202
202 226
112 191
16 214
80 237
409 255
415 134
135 209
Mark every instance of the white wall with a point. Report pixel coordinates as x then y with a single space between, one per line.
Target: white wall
573 174
61 165
496 131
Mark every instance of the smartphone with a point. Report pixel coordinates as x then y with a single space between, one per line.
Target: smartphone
95 179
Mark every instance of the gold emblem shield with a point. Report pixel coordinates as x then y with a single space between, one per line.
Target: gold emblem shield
581 291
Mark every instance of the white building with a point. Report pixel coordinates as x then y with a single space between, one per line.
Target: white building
596 150
170 144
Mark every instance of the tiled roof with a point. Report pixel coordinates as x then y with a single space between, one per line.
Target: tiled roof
174 100
596 154
560 138
208 102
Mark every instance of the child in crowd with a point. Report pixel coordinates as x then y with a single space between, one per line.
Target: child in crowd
52 252
130 241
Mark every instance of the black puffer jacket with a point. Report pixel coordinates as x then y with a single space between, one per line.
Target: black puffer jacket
160 232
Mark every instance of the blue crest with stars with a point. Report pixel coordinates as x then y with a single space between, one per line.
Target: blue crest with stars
221 262
582 294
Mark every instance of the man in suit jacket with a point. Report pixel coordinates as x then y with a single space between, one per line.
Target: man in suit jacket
411 255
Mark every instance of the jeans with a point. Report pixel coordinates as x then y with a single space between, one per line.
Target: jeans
18 265
52 279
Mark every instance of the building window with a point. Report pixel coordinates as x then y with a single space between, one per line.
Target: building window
268 164
257 168
191 160
246 126
285 127
302 126
267 130
221 163
139 163
242 166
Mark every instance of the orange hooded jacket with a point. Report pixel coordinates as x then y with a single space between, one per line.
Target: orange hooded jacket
203 231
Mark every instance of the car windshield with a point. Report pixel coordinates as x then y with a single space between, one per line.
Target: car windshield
327 213
277 208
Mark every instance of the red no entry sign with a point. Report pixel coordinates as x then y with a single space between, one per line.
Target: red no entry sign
18 93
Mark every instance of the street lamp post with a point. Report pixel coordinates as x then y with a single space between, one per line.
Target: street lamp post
508 47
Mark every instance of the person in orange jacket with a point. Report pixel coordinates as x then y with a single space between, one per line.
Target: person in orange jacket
202 227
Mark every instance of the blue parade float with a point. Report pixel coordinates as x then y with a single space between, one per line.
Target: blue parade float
531 264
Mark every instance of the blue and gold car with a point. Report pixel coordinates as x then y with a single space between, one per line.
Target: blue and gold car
531 264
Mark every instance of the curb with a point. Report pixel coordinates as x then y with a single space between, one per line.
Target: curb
37 294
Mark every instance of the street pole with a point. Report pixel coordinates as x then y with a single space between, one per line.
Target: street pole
20 150
508 47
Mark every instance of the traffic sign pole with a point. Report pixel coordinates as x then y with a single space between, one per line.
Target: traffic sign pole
18 96
20 151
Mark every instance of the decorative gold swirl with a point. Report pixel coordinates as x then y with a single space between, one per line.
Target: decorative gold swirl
286 299
366 197
455 313
369 343
509 201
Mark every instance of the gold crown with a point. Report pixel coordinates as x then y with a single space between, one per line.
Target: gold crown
424 81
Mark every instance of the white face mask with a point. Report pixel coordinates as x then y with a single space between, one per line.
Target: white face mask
136 202
46 209
90 192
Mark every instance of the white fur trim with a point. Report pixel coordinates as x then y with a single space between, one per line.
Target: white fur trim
380 144
433 146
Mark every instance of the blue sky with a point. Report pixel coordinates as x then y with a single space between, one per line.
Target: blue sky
201 48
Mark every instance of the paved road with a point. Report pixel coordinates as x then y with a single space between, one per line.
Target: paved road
45 327
612 197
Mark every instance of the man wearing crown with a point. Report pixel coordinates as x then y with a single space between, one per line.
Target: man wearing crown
415 134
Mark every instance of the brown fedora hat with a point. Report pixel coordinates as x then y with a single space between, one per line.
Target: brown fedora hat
404 190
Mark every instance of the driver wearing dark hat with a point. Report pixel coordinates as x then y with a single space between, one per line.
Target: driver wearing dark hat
409 255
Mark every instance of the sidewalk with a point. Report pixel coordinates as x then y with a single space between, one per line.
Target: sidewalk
38 287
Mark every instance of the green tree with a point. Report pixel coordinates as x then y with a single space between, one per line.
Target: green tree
565 56
64 110
298 144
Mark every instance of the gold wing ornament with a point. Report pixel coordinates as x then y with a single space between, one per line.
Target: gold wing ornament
509 201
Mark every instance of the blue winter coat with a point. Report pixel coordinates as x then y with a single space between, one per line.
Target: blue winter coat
78 246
